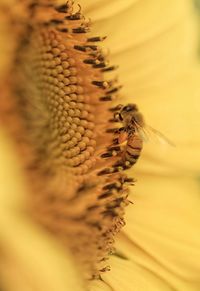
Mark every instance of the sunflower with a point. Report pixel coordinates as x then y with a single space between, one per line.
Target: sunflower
64 188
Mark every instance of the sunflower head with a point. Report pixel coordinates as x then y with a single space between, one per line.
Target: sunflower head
61 102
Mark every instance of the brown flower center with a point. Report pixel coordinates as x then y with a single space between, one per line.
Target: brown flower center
67 133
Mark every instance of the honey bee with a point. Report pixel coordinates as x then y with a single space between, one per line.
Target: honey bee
133 132
133 122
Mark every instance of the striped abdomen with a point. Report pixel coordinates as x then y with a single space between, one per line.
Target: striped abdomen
133 150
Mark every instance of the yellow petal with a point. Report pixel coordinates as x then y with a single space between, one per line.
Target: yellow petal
164 222
98 9
126 275
98 285
158 59
30 258
135 30
136 255
174 111
154 44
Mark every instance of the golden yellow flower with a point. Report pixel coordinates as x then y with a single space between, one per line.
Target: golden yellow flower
155 45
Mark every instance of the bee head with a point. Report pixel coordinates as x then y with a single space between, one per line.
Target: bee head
129 108
127 111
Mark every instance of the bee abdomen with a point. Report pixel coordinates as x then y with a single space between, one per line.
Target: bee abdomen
132 153
131 157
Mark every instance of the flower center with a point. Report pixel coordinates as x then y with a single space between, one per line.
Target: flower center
67 124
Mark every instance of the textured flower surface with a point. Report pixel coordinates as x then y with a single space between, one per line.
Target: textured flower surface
44 68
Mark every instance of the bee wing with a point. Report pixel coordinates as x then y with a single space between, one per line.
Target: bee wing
159 135
147 132
142 132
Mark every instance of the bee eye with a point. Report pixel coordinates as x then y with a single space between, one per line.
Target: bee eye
128 108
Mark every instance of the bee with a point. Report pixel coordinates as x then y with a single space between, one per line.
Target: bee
133 123
133 132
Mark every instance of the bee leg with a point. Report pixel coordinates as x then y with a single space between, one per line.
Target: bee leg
115 130
114 148
106 155
123 136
